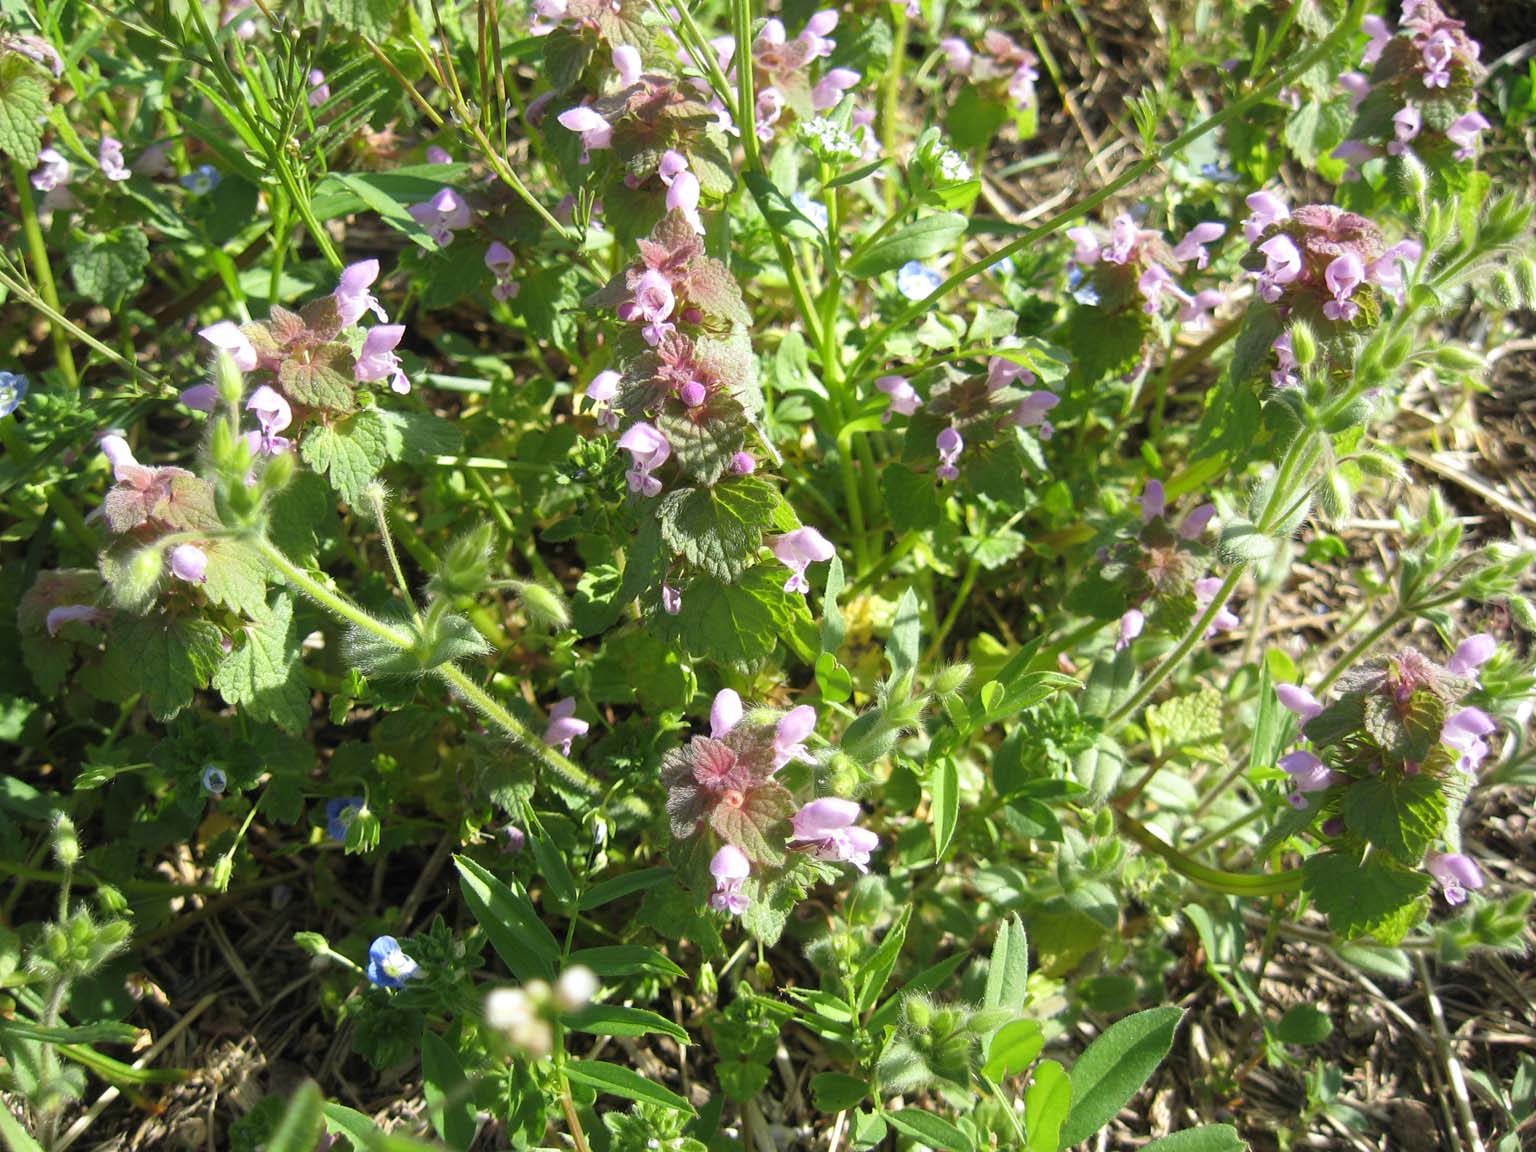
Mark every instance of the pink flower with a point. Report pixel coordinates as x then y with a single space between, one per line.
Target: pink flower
1307 773
120 456
1284 374
1406 124
683 196
826 829
189 563
950 445
1471 654
743 464
1195 524
1463 733
671 599
1154 501
653 303
1001 372
724 713
500 260
1225 619
770 106
957 55
790 734
1196 310
513 839
58 617
904 398
829 90
1266 209
1086 247
442 216
352 295
438 155
1030 412
1192 247
110 156
1123 238
595 132
51 172
1438 50
672 162
729 867
1153 282
814 36
1295 698
1283 265
378 360
626 62
1387 269
564 726
319 90
1376 28
692 394
200 397
797 551
648 450
274 414
227 337
1455 874
602 391
1131 625
1358 86
1463 133
1345 273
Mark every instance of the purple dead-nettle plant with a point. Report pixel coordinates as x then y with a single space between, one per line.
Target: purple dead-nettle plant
1159 561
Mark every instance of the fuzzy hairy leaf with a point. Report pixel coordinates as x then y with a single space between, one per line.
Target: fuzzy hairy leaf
736 623
23 108
748 825
1379 898
1115 1066
351 451
320 378
718 529
163 659
263 673
236 576
1402 815
109 268
1409 731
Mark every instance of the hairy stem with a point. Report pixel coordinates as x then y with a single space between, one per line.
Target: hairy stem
1217 880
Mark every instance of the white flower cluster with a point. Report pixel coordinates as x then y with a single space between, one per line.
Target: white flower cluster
831 142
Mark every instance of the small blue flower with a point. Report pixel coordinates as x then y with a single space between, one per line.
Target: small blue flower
13 389
1082 292
388 966
1219 175
811 210
214 780
916 282
201 180
339 814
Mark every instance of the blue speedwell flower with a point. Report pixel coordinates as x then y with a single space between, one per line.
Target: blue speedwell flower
916 282
388 966
339 814
201 180
13 389
214 780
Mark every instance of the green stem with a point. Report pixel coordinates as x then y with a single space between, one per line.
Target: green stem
1217 880
967 582
37 249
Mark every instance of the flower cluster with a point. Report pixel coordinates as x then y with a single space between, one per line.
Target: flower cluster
1420 94
525 1017
1395 721
1163 561
728 781
1136 263
782 70
996 61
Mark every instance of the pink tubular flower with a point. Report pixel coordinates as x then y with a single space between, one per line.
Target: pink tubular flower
724 713
790 734
51 172
189 563
729 867
1471 654
829 90
1344 274
672 162
1406 125
500 260
1438 50
1131 625
957 55
671 599
1031 411
950 445
1463 133
648 450
1225 619
200 397
378 360
1266 209
319 90
904 398
1085 246
1195 524
1456 874
797 551
826 829
1357 85
1463 733
438 155
1295 698
110 156
626 62
442 216
1154 501
1387 270
1284 375
120 456
1001 372
1282 266
564 726
1123 237
1376 28
595 132
352 295
602 391
743 464
62 615
1192 247
1307 773
227 337
653 303
274 415
683 196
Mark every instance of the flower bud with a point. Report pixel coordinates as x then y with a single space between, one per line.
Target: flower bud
951 679
227 379
134 583
279 472
1303 344
544 606
576 987
464 568
111 900
66 842
919 1012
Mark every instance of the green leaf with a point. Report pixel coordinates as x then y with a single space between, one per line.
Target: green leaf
911 499
263 673
322 378
1115 1065
23 108
617 1081
617 887
718 529
371 18
916 241
1015 1046
617 1020
934 1131
736 623
906 634
626 959
835 681
1402 815
109 268
875 972
1047 1101
510 922
837 1091
450 1103
236 576
105 1032
750 826
1304 1024
1379 898
11 1131
351 451
164 659
1208 1138
944 786
1008 971
832 627
1405 732
1242 542
1185 722
300 1126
